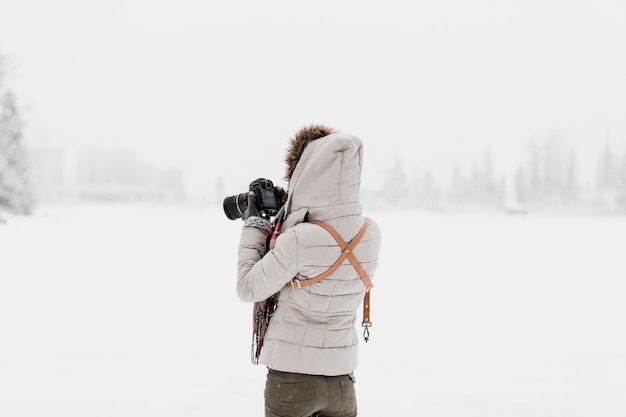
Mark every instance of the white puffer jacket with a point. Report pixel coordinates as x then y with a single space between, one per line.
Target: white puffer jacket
313 330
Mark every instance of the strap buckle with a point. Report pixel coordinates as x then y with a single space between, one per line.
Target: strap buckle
366 331
295 283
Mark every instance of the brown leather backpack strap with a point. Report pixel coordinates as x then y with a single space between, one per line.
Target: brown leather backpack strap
346 253
366 315
347 249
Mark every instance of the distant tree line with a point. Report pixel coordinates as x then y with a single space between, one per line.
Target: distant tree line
549 178
15 192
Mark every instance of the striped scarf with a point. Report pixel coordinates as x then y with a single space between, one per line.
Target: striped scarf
264 310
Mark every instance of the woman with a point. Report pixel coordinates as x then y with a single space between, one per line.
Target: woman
310 347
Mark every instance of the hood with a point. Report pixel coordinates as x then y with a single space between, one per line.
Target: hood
298 144
326 179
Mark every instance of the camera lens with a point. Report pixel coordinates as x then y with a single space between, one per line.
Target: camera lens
235 205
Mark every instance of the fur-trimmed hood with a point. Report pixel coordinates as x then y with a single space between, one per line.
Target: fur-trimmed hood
299 142
326 175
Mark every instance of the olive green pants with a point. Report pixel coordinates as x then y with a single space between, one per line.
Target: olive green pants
299 395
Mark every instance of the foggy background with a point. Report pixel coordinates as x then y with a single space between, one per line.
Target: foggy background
495 163
204 97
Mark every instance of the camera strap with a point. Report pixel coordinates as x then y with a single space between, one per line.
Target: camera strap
346 253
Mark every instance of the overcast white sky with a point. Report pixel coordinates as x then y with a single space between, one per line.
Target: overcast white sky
219 87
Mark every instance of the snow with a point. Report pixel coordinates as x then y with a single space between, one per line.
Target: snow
132 311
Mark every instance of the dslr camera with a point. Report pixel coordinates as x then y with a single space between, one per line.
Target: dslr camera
269 200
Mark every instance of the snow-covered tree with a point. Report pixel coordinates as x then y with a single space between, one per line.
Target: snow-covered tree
15 191
549 177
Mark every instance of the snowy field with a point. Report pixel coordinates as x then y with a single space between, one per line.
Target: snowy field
131 311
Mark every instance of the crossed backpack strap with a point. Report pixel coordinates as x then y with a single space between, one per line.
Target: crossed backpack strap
346 252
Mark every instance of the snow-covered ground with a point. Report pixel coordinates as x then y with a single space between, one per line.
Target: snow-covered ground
131 311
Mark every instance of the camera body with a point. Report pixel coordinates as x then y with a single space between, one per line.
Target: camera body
269 200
